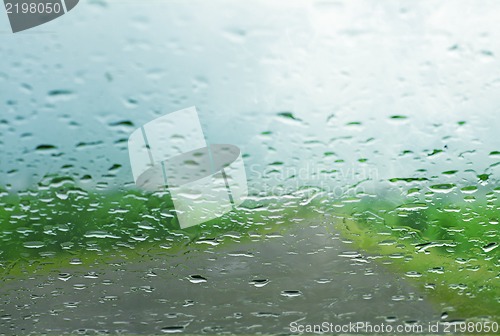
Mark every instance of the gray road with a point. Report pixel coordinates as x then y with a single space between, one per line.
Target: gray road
308 275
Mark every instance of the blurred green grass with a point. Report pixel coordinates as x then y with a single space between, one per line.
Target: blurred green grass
60 218
447 247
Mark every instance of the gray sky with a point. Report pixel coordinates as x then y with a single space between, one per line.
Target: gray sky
342 68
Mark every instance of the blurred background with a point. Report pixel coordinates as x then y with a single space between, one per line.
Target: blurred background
386 90
369 133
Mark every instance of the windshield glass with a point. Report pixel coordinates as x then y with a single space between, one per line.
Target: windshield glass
249 167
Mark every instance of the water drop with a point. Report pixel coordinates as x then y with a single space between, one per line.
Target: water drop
291 293
196 278
259 282
34 244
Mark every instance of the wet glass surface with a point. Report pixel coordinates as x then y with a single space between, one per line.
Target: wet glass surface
368 131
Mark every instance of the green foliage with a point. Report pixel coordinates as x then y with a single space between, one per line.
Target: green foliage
466 227
59 217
